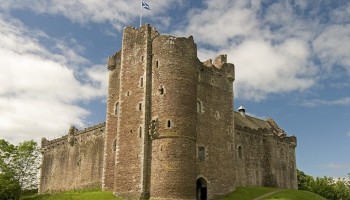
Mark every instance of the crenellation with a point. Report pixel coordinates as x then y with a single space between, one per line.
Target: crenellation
171 131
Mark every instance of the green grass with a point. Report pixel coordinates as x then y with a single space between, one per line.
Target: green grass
78 195
251 193
248 193
291 194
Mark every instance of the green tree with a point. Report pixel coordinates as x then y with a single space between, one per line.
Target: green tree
304 180
20 164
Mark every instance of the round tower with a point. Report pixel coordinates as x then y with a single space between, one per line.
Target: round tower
173 127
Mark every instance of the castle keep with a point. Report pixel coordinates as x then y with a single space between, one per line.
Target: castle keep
171 131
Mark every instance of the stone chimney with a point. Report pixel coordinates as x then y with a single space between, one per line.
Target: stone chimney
241 110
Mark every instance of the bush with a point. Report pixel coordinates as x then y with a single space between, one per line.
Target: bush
10 189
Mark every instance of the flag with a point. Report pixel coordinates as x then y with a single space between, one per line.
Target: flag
145 5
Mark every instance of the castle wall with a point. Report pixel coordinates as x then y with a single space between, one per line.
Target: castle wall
73 161
215 126
264 159
173 130
113 109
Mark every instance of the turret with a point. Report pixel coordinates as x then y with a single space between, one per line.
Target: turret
174 109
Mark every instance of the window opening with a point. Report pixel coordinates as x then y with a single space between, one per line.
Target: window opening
140 106
157 64
161 90
116 109
199 107
201 153
141 58
140 131
128 93
141 82
169 124
240 154
114 145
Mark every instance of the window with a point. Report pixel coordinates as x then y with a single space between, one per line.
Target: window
201 153
116 109
128 93
161 90
140 106
240 154
157 64
141 58
114 145
169 124
217 115
140 131
199 107
141 82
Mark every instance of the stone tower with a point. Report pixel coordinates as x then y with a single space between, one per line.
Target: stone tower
150 141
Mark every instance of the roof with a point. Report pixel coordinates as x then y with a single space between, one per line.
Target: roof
250 122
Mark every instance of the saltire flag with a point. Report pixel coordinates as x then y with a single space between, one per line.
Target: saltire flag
145 5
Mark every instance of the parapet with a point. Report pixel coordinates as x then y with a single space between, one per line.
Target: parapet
72 134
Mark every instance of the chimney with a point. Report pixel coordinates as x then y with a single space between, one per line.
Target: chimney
241 110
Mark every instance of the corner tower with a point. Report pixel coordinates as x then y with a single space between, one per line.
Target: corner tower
127 156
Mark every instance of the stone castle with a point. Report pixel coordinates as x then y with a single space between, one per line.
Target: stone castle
171 131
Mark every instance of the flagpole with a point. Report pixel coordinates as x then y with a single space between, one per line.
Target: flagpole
141 14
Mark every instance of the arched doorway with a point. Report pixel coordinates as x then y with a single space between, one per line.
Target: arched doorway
202 191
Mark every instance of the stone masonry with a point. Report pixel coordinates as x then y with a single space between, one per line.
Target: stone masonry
171 131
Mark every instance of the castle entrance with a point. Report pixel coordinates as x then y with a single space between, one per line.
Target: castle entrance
202 191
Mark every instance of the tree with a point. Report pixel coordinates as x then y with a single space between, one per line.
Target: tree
327 187
20 164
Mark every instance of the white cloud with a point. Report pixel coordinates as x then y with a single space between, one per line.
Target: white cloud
39 92
330 46
116 12
321 102
338 166
273 45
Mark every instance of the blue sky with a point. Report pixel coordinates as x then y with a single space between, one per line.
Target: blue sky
292 63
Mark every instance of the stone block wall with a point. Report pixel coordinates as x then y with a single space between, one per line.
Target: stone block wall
73 161
215 126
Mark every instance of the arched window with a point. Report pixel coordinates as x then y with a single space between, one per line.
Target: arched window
116 109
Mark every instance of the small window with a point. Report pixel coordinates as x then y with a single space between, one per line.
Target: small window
161 90
157 64
230 130
169 124
217 115
199 107
140 131
141 82
141 58
201 153
116 109
128 93
140 106
240 153
114 145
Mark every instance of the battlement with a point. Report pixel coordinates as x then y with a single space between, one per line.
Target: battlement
95 130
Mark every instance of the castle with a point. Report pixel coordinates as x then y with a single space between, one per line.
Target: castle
171 131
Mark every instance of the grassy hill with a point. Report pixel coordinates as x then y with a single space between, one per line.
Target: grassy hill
249 193
262 193
78 195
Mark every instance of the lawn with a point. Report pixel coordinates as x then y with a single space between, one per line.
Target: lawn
252 193
80 195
